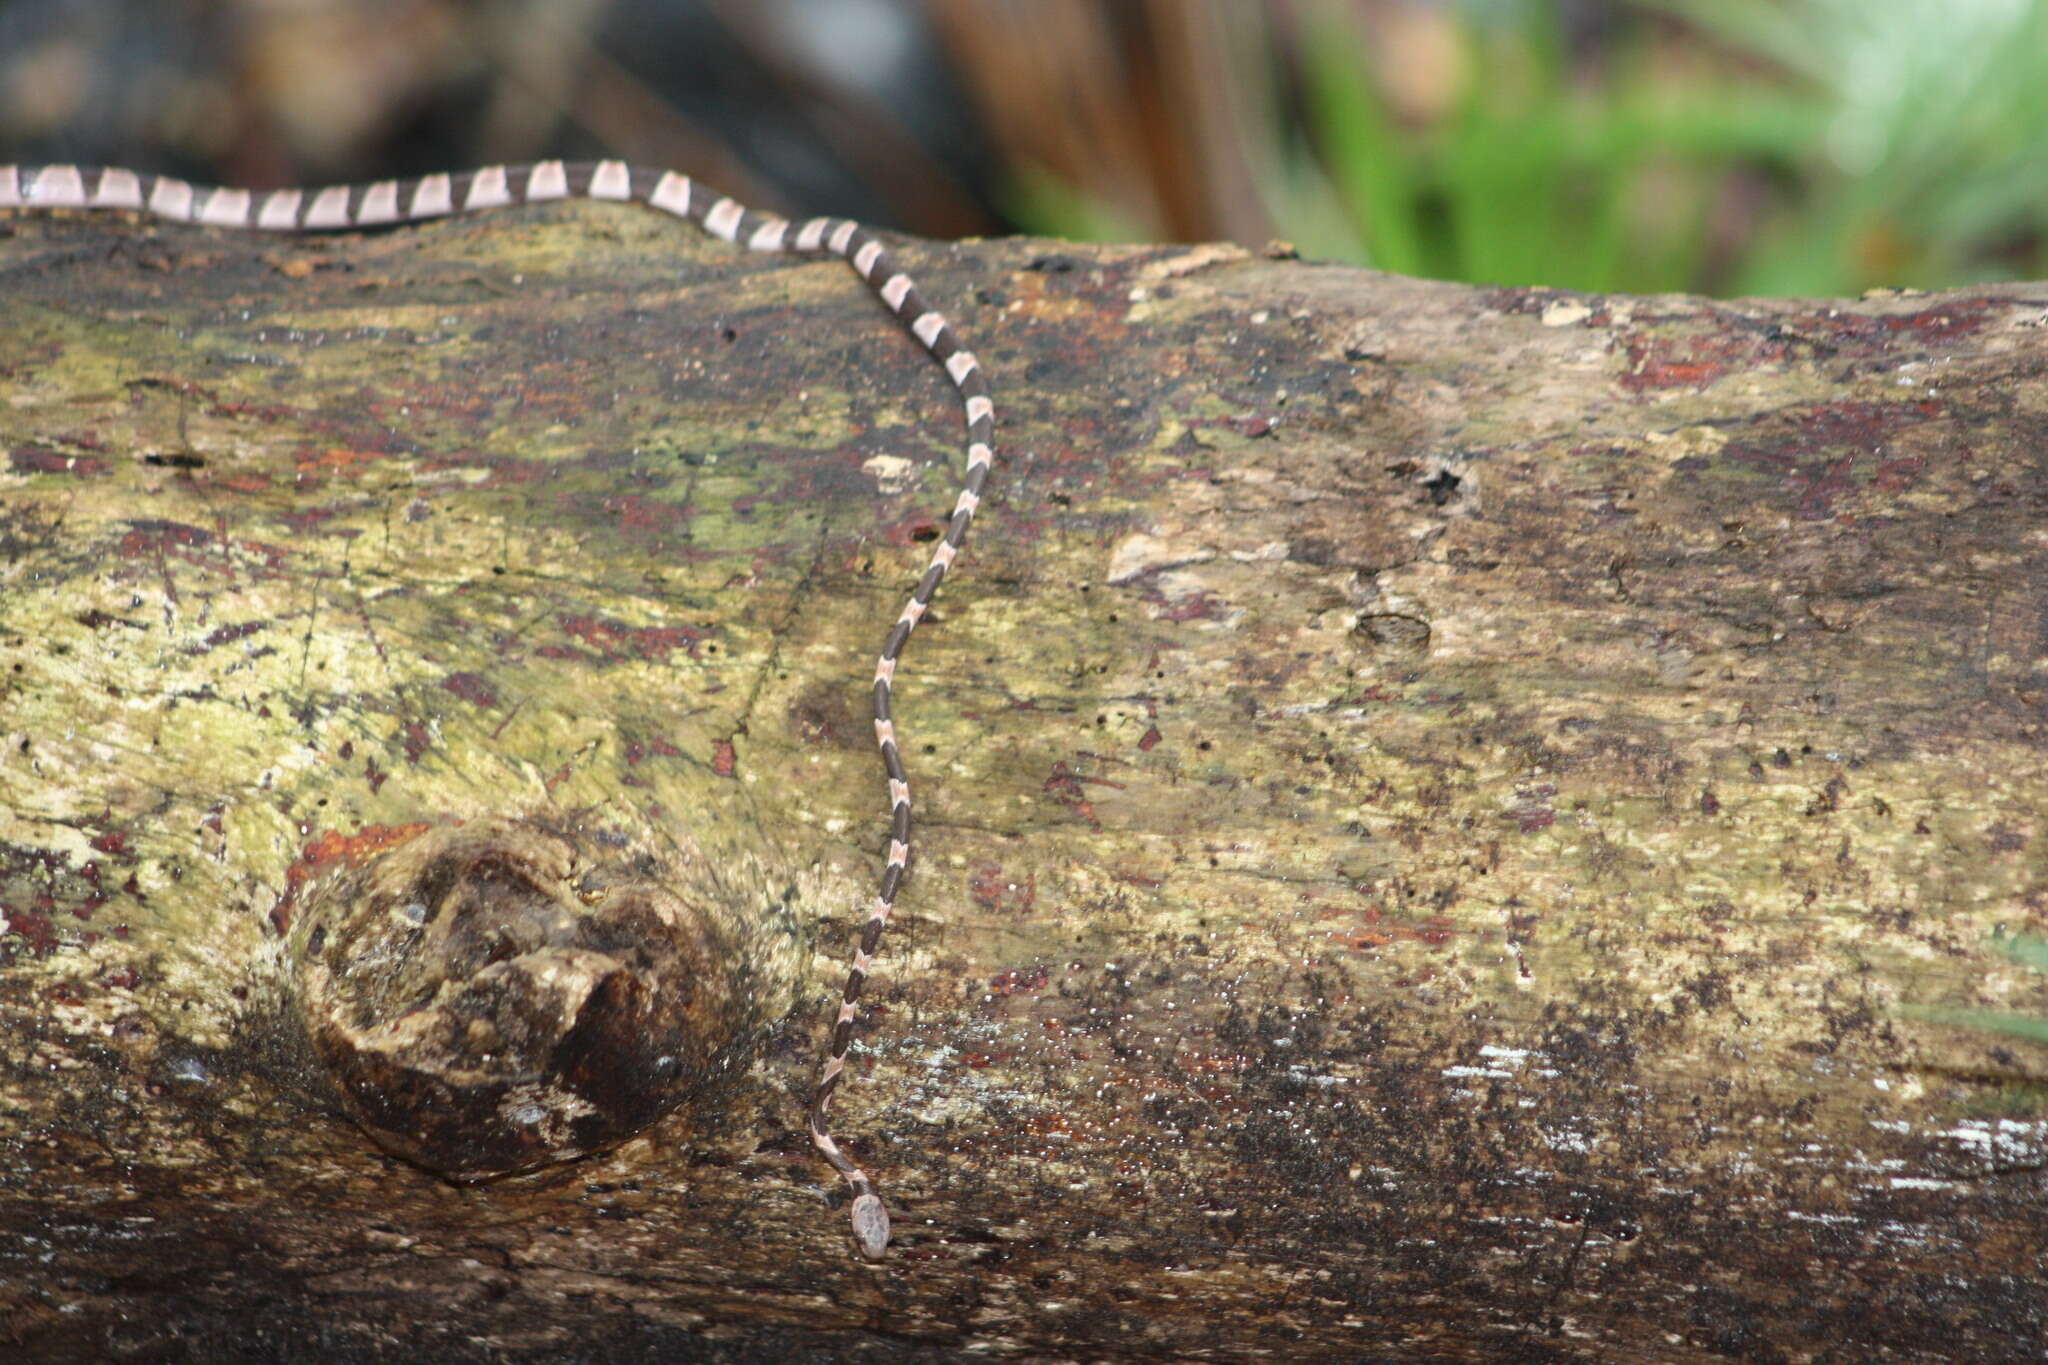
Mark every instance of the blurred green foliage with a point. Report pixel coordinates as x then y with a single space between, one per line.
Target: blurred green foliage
2024 950
1818 147
2028 952
1533 175
1931 168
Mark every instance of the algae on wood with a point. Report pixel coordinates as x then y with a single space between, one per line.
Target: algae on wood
1430 797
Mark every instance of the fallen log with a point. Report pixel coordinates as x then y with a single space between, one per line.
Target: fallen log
1432 801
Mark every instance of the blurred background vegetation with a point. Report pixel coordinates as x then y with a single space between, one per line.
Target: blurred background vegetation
1722 146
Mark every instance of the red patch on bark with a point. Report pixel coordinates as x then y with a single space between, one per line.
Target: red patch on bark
1897 476
724 760
472 688
637 752
1863 425
1373 928
1016 981
160 537
614 640
1692 362
1817 456
1064 786
336 847
1533 811
1195 607
994 892
1959 318
331 848
42 460
417 741
643 514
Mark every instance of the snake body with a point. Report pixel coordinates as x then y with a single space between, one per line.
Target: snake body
347 207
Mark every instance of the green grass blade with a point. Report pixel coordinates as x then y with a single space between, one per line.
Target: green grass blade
2026 950
2031 1028
1362 148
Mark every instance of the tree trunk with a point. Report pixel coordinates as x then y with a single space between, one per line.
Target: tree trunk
1431 800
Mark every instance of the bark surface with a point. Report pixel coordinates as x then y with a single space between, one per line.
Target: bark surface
1431 802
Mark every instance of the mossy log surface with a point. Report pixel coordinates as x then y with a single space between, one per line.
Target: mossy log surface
1431 802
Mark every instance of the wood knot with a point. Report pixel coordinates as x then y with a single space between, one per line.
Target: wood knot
497 995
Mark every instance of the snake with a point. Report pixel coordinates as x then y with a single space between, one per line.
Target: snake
344 208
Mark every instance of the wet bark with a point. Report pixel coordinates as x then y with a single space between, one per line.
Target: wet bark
1431 802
